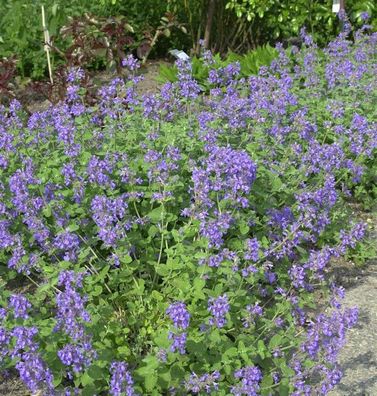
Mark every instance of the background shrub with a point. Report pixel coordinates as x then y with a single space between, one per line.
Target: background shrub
236 26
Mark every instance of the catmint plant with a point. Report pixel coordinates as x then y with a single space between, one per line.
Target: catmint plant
176 242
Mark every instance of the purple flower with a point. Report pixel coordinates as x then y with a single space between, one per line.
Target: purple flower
188 86
68 171
179 342
69 243
250 378
77 356
35 374
215 229
253 312
218 307
75 74
297 275
121 382
130 63
326 335
99 171
270 276
281 218
5 339
3 314
252 250
364 16
71 313
162 355
24 340
179 315
109 214
20 306
205 383
350 238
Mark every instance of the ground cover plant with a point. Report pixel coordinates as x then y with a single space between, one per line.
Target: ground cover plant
177 243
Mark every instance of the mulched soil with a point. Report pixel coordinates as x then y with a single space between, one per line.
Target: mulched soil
150 71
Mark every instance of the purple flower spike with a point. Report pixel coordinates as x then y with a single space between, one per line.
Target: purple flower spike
179 315
20 306
121 382
218 307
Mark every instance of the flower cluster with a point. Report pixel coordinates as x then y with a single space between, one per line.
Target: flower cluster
218 307
205 383
250 379
31 367
121 381
109 214
222 182
20 305
71 316
180 317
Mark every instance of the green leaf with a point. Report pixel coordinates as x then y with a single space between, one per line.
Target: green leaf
73 227
86 379
125 259
155 214
261 349
151 381
95 372
57 379
97 290
244 228
47 211
242 348
89 390
275 341
284 389
267 381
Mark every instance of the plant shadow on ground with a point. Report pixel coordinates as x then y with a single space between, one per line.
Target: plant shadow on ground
11 385
358 387
349 275
359 361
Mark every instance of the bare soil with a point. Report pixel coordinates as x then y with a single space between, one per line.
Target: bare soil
150 71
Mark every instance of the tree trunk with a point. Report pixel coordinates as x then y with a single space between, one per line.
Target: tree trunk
210 13
342 12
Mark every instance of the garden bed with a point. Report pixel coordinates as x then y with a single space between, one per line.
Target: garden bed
178 243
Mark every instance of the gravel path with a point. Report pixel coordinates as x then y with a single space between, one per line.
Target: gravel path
358 358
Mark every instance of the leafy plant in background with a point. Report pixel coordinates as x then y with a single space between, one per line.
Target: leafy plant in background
283 19
21 29
88 41
168 23
7 75
95 39
236 26
175 243
250 64
252 61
